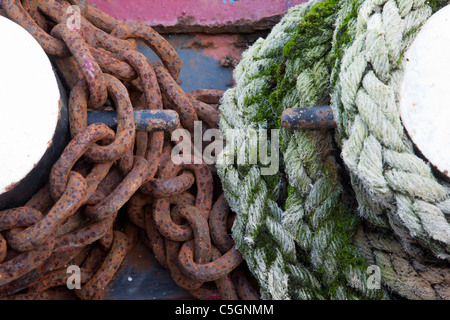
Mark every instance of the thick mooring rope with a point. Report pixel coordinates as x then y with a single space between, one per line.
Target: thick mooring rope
295 228
301 249
375 148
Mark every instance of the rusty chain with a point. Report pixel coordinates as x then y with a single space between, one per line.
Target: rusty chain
178 211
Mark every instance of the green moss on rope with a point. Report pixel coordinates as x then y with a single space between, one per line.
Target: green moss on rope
314 30
268 114
315 22
313 25
343 38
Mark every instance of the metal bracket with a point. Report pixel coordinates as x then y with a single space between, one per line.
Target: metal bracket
319 117
145 120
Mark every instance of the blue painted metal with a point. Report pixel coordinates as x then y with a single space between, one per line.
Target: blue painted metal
141 277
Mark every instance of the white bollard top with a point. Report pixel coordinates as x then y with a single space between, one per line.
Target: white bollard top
425 91
29 103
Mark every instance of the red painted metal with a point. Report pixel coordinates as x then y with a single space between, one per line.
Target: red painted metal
199 15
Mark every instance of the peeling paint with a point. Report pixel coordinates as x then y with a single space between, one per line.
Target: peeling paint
211 15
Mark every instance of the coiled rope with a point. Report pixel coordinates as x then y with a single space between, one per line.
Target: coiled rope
295 228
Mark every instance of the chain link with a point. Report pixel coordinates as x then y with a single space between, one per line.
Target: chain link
172 207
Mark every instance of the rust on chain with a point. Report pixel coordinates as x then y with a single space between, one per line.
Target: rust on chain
203 177
209 96
244 288
70 224
94 36
111 181
154 151
3 249
210 271
78 100
35 235
19 217
54 10
25 262
153 101
125 123
161 207
135 208
184 198
57 278
131 231
42 200
127 160
225 285
141 143
50 44
218 225
95 198
146 76
105 40
159 188
123 169
207 113
167 54
31 7
55 261
59 260
76 148
87 64
156 240
106 241
109 64
124 191
100 19
97 174
166 226
94 259
84 236
94 289
21 283
200 228
178 276
166 154
177 97
68 70
28 297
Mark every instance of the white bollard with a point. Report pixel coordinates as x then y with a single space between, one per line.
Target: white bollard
425 91
33 115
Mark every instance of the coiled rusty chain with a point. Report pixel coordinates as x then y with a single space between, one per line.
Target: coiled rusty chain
178 211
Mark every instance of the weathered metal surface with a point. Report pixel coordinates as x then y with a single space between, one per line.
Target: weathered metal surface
145 120
95 209
218 225
207 271
214 16
320 117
